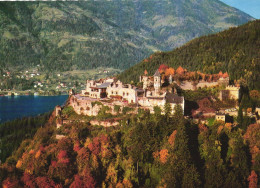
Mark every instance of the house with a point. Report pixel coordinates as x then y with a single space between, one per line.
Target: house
220 117
96 89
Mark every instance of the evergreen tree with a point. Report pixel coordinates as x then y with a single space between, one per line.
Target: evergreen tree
181 171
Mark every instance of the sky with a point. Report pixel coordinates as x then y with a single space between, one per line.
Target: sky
251 7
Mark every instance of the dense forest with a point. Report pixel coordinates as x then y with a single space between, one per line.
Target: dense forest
89 34
235 51
148 150
12 133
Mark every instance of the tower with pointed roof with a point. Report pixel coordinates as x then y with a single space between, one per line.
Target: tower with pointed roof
157 81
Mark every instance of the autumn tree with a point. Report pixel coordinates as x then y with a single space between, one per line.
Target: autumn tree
252 180
162 68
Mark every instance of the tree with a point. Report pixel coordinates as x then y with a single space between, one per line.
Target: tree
181 171
240 116
169 71
162 68
252 180
167 110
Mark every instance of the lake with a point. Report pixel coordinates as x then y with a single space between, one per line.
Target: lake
21 106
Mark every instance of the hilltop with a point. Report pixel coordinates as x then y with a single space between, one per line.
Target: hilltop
85 35
235 51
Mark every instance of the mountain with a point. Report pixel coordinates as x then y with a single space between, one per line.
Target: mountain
85 35
235 50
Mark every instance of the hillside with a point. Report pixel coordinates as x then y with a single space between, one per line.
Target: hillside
85 35
235 50
146 150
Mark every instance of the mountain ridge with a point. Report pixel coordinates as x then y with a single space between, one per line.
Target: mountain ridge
84 35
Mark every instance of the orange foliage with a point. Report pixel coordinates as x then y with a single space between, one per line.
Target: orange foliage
163 155
220 128
43 182
127 183
163 68
220 74
252 180
146 60
180 70
31 151
225 75
76 146
252 135
119 185
169 71
8 183
172 138
228 126
37 155
156 154
19 164
63 157
202 128
145 72
254 151
249 110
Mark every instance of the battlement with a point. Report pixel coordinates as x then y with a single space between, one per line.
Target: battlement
232 87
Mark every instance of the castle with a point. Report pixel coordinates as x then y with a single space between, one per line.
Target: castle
112 92
157 90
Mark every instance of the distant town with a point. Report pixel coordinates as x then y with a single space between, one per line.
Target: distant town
35 81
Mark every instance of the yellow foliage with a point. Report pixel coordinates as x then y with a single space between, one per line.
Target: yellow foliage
19 164
111 174
28 171
94 161
88 141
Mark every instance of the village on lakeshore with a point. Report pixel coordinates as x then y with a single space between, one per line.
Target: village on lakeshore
154 92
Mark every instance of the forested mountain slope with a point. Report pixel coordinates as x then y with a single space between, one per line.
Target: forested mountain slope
83 35
235 50
147 150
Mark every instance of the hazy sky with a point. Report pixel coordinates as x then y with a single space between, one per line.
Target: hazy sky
251 7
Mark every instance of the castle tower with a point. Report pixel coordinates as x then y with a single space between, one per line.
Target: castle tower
157 81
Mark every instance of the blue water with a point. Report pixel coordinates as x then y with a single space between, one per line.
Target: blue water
21 106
